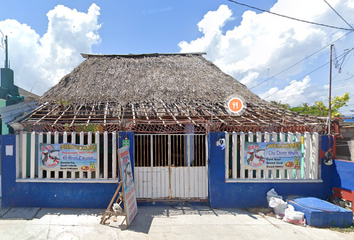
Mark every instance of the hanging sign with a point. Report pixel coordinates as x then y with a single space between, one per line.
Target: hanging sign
272 155
67 156
126 173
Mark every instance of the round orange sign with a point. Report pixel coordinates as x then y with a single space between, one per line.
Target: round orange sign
235 105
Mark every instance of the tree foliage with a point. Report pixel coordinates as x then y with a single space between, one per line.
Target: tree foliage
319 109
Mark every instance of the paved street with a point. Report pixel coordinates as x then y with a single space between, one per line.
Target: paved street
154 222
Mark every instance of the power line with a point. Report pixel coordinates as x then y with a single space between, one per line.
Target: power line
340 56
292 18
302 77
339 15
300 61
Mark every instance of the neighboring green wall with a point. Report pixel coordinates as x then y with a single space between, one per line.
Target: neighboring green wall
4 128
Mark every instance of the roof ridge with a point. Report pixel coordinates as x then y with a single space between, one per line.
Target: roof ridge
87 55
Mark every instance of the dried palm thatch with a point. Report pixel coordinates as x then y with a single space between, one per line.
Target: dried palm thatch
146 78
156 93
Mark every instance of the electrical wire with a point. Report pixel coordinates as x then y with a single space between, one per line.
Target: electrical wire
339 15
299 61
300 78
341 56
292 18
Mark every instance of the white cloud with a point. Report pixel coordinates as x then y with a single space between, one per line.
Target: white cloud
263 41
291 94
41 61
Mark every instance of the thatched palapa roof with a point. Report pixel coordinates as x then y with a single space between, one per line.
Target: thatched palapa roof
146 78
155 93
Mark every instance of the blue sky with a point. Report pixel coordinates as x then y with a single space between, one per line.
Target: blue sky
46 40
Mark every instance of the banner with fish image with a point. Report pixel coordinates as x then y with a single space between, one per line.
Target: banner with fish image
272 155
127 178
68 156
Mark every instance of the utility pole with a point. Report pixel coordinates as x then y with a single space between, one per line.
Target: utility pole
330 91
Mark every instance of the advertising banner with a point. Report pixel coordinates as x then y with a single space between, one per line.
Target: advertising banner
126 174
272 155
67 156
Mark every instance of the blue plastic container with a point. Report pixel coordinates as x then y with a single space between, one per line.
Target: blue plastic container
319 213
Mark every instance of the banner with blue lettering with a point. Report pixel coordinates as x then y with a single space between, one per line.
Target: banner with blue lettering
67 156
272 155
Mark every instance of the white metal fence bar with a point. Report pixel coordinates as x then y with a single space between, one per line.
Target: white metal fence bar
307 147
97 141
18 165
33 155
227 156
281 171
315 154
24 155
234 155
56 141
298 171
249 171
290 173
105 155
274 139
73 141
259 139
267 173
40 140
309 165
114 155
65 140
242 155
89 141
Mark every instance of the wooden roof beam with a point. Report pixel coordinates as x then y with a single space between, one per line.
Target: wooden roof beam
186 114
105 114
89 117
133 111
62 114
50 112
163 122
75 116
146 115
173 116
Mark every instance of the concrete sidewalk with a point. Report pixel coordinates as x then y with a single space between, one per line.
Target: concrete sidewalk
155 222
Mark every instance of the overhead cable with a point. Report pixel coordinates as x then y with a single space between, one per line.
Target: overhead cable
299 61
292 18
339 15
